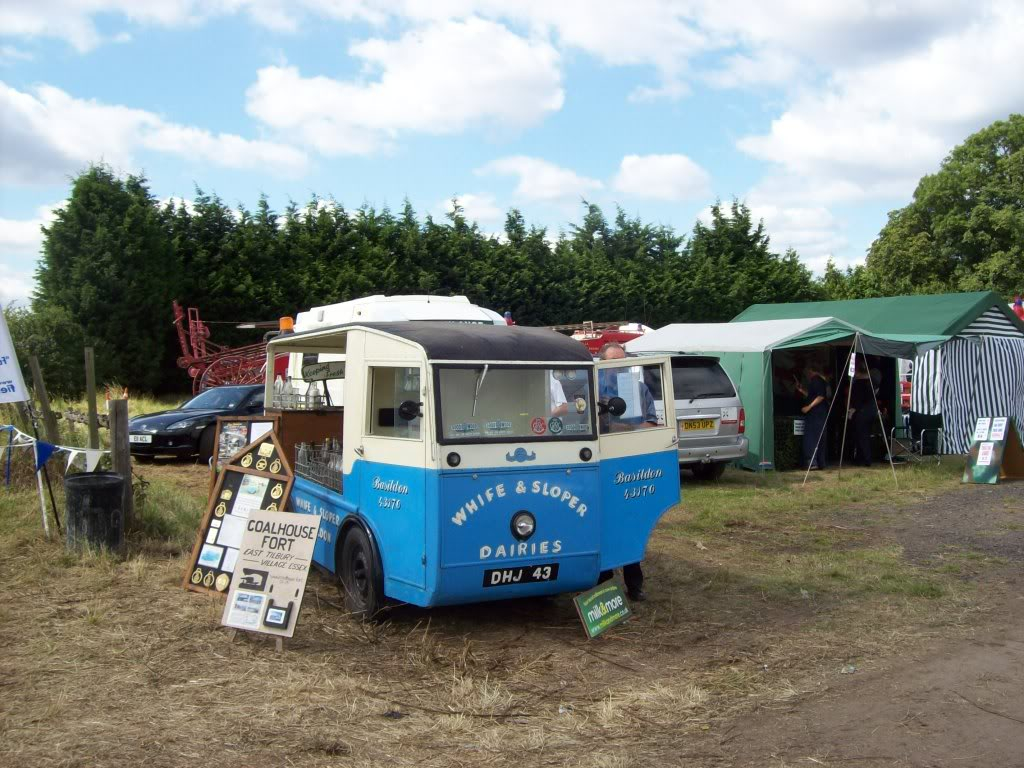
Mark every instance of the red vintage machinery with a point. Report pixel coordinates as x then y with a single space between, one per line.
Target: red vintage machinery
213 365
596 335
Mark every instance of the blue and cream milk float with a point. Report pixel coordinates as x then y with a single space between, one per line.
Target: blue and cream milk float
473 462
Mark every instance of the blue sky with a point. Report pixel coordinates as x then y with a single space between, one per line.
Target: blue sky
822 117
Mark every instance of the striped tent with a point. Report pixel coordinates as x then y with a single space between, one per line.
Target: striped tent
979 371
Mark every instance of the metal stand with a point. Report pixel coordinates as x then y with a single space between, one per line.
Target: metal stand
278 640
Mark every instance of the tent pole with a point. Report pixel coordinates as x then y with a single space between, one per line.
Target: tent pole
817 445
765 367
888 447
849 394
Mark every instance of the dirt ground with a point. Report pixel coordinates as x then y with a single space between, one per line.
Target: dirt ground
948 702
111 663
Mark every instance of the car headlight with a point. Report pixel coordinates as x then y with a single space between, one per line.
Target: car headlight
183 424
523 525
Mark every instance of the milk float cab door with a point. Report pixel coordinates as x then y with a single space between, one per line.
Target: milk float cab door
639 461
391 462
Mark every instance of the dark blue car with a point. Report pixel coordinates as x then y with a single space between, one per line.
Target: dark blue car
189 429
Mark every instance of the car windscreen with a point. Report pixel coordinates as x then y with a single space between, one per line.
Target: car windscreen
218 398
479 403
700 378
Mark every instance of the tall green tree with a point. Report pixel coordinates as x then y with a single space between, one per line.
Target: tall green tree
730 265
964 229
109 262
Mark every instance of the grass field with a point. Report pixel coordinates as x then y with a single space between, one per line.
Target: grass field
761 589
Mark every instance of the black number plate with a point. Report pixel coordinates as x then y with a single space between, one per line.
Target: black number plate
527 574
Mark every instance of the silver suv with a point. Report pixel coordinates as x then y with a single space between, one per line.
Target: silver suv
709 414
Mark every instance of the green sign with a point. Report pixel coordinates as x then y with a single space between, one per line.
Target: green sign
602 607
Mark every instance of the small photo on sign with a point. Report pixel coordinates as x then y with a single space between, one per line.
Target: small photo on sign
246 609
210 556
233 438
250 495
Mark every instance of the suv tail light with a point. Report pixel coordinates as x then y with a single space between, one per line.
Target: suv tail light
743 421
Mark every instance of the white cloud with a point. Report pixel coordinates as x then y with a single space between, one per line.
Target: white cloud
813 232
764 67
9 53
438 79
540 179
24 237
481 208
21 242
16 286
662 177
73 20
49 134
874 129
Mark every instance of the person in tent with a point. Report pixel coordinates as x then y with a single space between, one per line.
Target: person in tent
862 404
815 410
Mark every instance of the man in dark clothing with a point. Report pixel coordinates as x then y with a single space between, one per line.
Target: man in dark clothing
815 411
862 403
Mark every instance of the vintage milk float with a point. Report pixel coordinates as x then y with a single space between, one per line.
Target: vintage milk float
473 462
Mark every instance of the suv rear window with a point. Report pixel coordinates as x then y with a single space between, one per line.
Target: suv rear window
699 378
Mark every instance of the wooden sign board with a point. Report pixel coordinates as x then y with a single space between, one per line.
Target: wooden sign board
233 433
277 550
996 452
258 477
602 607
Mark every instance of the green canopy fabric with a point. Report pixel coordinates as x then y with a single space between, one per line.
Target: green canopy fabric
894 326
944 314
745 351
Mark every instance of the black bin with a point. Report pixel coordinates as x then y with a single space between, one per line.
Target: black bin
94 513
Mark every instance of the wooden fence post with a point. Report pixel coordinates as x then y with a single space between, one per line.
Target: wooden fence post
120 454
49 420
90 397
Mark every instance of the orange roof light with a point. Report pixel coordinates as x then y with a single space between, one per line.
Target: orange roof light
286 324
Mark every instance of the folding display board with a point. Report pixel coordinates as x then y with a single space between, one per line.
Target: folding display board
996 452
257 477
277 550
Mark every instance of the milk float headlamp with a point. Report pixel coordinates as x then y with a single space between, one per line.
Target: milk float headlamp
523 525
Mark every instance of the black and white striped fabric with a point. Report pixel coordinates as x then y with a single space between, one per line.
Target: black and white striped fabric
992 322
926 383
969 377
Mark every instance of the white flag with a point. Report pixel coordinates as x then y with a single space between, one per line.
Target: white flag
92 458
12 385
72 455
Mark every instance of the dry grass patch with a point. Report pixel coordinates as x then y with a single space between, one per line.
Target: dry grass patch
109 662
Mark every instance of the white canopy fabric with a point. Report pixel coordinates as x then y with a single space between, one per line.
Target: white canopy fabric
753 336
